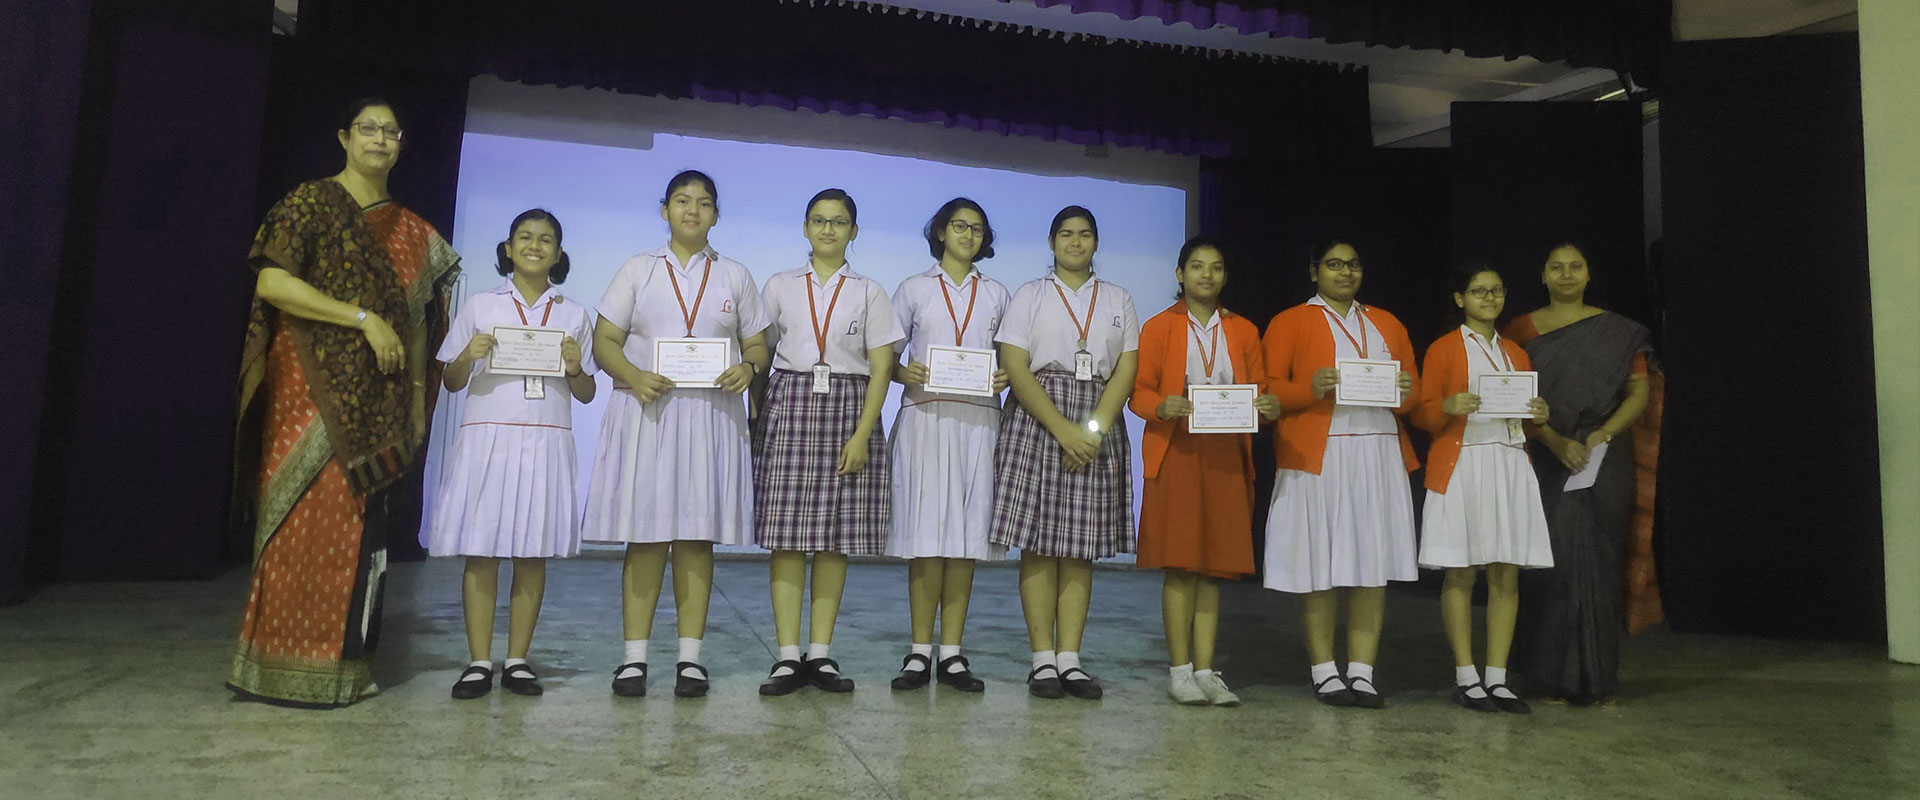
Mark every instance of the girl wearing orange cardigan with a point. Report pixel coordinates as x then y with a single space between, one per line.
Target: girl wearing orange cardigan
1196 514
1342 511
1483 502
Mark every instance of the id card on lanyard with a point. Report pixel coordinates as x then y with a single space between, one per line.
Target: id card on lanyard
1082 359
822 372
534 387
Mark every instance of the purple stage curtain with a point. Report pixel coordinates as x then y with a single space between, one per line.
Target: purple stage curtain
870 59
1628 35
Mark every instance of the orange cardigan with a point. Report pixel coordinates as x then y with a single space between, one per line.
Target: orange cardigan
1297 344
1444 374
1163 372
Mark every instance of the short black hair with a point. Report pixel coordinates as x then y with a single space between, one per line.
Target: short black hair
504 264
1068 213
944 216
853 211
1324 245
364 103
688 177
1187 250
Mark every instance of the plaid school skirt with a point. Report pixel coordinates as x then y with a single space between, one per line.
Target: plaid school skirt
1044 509
799 503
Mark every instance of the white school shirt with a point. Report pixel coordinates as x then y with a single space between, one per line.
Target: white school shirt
1485 357
925 318
1201 338
502 399
641 301
1358 420
862 320
1038 323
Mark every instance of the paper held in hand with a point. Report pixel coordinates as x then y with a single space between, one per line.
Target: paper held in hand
960 370
1224 408
1506 395
691 363
527 351
1368 382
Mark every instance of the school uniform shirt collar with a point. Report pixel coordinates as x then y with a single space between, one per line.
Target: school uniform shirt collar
1211 323
1470 334
813 277
507 288
1085 288
707 255
1356 308
973 273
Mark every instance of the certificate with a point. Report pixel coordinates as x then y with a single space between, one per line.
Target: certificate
1505 395
1584 478
692 363
527 351
960 370
1367 382
1226 408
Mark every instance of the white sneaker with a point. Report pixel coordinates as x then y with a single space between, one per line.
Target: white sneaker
1215 690
1185 690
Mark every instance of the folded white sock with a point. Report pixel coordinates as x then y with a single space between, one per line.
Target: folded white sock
1323 671
690 650
513 662
1181 671
788 652
486 665
1043 658
925 650
636 651
1360 677
1069 660
1466 676
949 651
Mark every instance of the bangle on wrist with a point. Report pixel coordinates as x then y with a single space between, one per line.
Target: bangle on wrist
360 320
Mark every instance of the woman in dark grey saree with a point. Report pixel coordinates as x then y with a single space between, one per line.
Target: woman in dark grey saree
1593 374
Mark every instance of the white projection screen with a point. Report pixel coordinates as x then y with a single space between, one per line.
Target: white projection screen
600 160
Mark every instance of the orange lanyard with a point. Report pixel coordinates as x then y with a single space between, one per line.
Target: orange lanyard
1503 365
689 316
1360 346
960 326
820 333
522 310
1206 358
1081 326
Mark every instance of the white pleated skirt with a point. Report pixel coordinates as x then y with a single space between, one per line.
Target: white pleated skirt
943 481
1490 514
1350 525
680 468
508 492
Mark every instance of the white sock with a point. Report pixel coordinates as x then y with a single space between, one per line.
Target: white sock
514 662
949 651
1497 677
1323 671
1044 658
1069 660
1466 676
925 650
1357 671
788 652
816 651
636 651
486 665
1182 671
690 650
1201 673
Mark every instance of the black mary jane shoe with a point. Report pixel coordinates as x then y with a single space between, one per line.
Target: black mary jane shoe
464 689
635 686
684 686
962 678
1467 701
521 680
1511 705
1367 699
1338 698
828 680
1048 687
911 679
1080 684
777 685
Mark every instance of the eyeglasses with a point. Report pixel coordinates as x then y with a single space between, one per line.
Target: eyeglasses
1336 265
372 130
1482 292
958 227
837 223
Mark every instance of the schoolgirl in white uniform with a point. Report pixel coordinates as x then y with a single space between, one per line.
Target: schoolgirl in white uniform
821 480
674 472
943 444
509 488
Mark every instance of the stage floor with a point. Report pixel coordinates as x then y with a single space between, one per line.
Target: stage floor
115 691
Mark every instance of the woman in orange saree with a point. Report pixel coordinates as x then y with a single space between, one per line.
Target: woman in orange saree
335 393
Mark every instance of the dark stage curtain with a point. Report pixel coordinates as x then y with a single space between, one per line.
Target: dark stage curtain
42 51
866 59
1625 35
1771 484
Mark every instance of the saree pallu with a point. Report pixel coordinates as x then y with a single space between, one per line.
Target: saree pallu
312 619
1573 616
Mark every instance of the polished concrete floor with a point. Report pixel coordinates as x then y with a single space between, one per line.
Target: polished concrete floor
115 691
